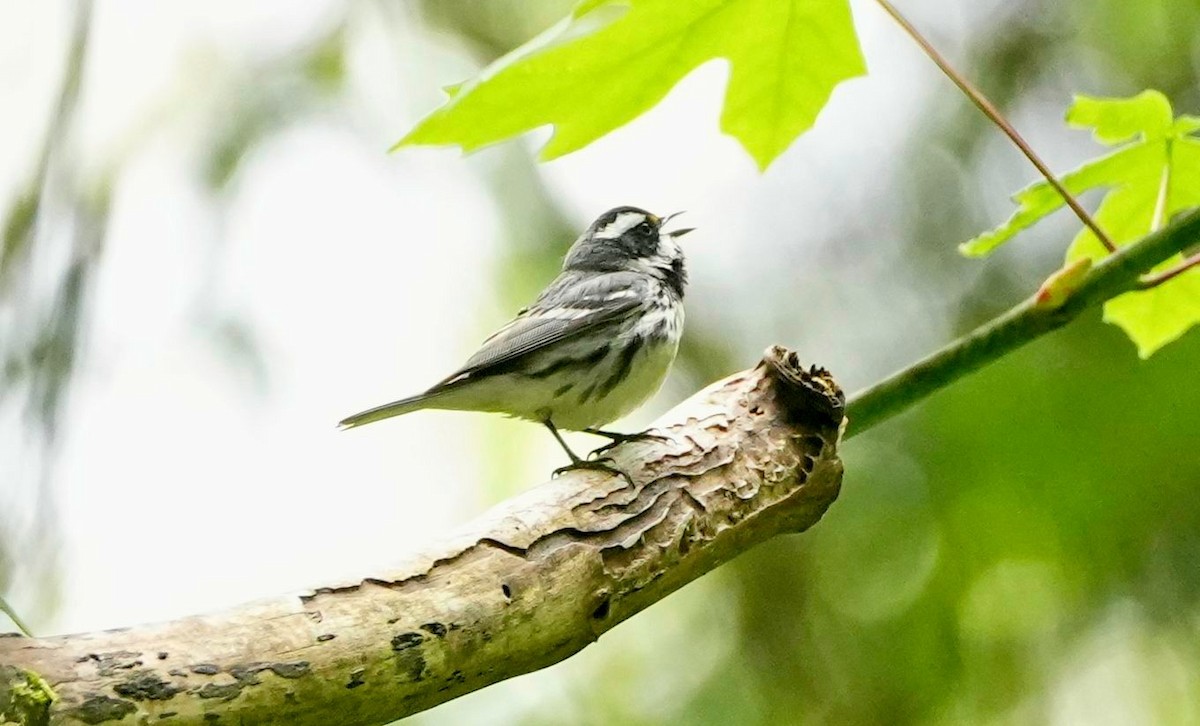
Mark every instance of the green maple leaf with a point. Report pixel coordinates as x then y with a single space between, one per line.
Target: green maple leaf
1152 175
592 73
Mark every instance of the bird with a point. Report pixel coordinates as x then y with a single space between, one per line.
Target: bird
595 344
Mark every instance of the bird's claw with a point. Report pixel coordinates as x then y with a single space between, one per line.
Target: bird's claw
618 439
604 463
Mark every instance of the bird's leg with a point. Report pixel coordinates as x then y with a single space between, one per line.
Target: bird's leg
578 462
616 438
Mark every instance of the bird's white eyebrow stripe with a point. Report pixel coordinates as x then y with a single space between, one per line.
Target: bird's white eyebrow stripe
624 222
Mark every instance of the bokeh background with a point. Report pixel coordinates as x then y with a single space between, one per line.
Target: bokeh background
209 258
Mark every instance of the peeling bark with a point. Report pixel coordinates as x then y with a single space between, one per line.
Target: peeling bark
527 585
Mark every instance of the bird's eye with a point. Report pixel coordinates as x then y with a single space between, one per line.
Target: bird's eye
645 228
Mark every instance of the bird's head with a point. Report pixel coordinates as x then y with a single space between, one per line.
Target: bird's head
632 239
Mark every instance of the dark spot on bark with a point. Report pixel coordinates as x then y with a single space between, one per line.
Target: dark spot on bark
206 669
247 673
393 621
356 678
404 641
98 709
323 637
435 628
212 717
107 664
227 691
411 663
290 669
316 616
452 680
162 655
504 588
177 672
167 714
601 611
290 697
146 686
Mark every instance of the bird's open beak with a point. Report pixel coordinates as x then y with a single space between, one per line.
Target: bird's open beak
677 232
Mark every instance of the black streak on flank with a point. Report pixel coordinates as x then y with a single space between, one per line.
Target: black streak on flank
624 364
561 364
587 393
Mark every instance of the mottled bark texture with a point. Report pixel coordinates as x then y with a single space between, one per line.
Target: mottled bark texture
527 585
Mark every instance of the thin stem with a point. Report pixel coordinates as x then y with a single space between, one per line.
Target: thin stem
1116 274
12 615
990 110
1151 281
1164 189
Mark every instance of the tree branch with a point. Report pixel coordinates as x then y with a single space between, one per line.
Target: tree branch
1116 274
529 584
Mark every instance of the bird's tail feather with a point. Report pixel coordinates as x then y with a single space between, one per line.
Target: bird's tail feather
388 410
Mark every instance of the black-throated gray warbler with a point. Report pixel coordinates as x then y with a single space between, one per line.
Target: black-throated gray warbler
594 345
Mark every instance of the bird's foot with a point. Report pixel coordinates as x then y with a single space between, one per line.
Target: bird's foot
618 438
602 464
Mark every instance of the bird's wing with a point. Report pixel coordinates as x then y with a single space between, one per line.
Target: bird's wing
565 309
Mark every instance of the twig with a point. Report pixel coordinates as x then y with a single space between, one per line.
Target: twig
12 615
1116 274
997 118
1148 282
